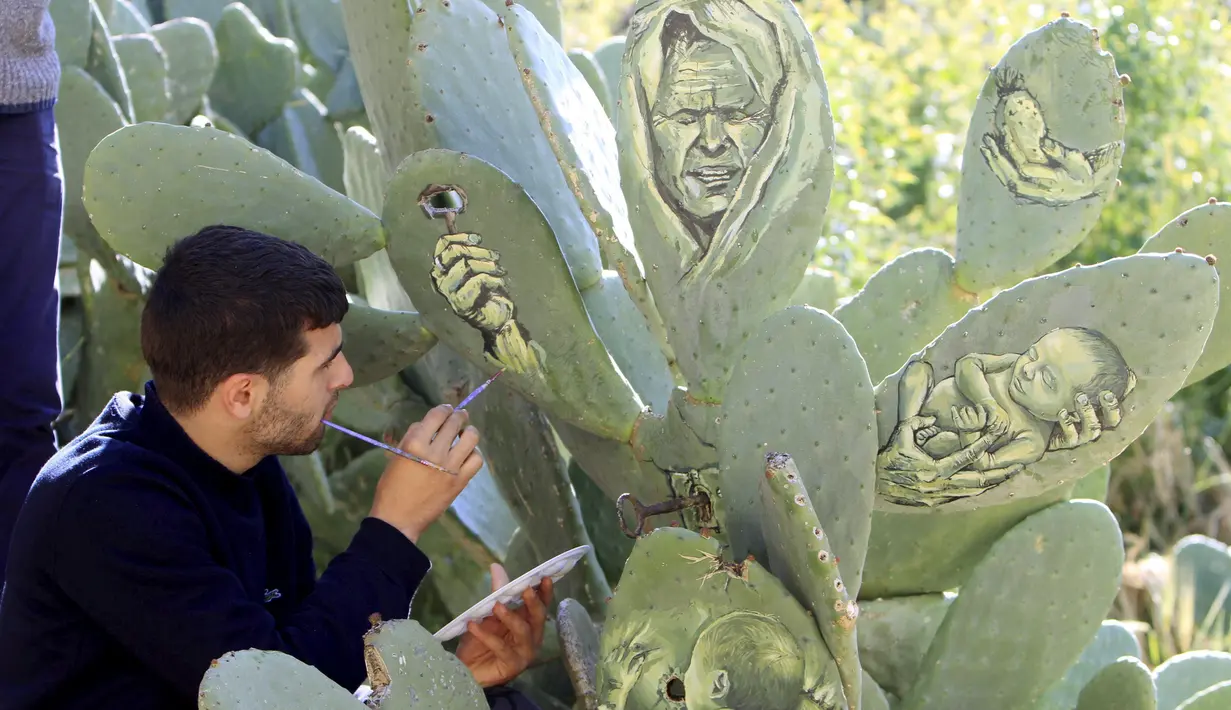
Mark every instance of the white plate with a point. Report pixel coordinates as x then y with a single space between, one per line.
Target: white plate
510 594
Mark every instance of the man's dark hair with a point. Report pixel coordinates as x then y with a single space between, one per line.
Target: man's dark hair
229 300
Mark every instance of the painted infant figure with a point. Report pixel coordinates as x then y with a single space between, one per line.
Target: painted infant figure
1016 401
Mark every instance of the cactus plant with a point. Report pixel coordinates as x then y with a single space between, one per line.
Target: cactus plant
633 274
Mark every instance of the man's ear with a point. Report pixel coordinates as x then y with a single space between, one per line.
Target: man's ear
241 394
720 685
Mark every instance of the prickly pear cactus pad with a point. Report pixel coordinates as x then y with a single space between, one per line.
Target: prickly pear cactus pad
584 144
1180 677
1203 230
800 555
192 60
381 343
270 680
1000 405
448 80
687 629
145 67
1112 641
407 668
492 284
88 115
726 159
1069 556
626 334
894 635
1215 697
903 307
71 19
1042 154
148 185
104 65
257 72
1125 684
800 387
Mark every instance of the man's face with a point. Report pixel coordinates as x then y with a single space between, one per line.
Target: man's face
707 122
288 422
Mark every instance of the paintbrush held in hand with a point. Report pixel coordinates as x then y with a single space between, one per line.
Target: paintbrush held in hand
405 454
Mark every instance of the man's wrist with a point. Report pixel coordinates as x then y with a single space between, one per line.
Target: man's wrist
410 530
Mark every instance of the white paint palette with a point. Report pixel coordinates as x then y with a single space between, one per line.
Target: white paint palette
510 594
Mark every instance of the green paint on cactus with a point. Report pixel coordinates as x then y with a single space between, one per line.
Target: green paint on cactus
903 307
448 80
257 71
104 64
819 289
1203 230
1112 641
72 20
87 114
584 61
1124 684
208 10
624 331
1070 557
495 288
125 19
145 67
1043 152
306 139
894 635
270 680
408 668
579 640
984 414
729 230
801 388
192 60
1215 697
800 555
380 343
147 186
1182 676
684 622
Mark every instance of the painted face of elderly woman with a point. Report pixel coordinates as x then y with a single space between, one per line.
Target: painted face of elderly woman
707 122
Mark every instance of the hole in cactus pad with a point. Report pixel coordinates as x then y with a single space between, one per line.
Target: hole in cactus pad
675 689
440 200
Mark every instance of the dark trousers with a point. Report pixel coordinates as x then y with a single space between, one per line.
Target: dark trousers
31 209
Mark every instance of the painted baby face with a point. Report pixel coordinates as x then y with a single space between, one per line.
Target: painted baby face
1046 377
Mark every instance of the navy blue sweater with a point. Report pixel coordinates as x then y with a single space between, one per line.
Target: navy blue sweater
138 559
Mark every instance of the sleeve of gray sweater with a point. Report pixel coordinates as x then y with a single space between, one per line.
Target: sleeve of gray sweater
29 67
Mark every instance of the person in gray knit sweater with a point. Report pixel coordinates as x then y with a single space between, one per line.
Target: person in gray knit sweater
31 211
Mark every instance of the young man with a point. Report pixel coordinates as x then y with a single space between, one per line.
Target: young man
167 534
31 201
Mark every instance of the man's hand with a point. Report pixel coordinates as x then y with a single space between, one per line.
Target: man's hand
500 647
409 495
